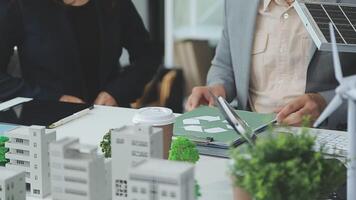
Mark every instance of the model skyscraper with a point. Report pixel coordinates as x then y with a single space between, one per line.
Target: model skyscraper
12 185
78 172
131 145
162 180
29 152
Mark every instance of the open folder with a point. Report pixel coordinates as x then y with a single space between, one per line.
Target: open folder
208 128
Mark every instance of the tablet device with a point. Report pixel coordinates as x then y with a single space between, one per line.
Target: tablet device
43 113
240 126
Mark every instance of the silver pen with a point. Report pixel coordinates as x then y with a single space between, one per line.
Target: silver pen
70 118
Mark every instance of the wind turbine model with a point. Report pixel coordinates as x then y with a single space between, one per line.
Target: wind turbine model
345 91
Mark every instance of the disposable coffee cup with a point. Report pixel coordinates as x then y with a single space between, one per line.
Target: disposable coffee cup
158 117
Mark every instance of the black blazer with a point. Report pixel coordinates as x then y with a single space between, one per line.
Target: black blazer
49 56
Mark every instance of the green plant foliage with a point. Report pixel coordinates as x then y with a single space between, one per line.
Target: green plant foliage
3 150
182 149
285 167
3 139
105 145
3 160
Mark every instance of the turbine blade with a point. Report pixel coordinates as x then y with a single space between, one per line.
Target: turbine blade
352 94
334 104
335 53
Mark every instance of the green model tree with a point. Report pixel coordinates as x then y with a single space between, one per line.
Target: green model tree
3 150
184 150
105 145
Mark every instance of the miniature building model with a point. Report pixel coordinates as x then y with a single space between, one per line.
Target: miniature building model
129 146
12 185
28 151
162 180
78 172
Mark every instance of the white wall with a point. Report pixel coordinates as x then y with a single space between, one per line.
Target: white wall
182 14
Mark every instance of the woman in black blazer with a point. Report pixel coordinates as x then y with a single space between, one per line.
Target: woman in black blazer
69 50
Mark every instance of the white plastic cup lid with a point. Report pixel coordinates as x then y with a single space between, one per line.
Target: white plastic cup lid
154 116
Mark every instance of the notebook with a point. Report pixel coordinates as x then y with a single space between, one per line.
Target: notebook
207 127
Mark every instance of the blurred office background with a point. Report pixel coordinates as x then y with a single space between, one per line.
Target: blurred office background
186 32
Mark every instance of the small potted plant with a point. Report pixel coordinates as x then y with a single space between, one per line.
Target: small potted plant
284 167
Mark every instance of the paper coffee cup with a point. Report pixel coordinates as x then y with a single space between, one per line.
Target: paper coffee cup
158 117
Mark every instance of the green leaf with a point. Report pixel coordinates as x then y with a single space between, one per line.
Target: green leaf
105 145
285 167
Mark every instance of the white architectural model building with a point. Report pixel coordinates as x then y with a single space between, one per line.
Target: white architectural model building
162 180
12 185
129 146
78 172
28 151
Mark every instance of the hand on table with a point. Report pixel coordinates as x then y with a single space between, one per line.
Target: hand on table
292 114
70 99
202 96
105 99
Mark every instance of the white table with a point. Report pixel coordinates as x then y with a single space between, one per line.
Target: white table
211 172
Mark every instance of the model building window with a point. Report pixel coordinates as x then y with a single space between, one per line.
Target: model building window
164 193
121 188
18 140
36 191
34 144
12 185
0 189
134 190
36 177
34 134
7 187
20 162
143 190
173 195
120 141
36 166
19 151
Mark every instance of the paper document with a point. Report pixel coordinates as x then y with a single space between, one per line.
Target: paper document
207 122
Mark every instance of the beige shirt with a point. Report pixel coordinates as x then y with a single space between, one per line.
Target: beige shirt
280 57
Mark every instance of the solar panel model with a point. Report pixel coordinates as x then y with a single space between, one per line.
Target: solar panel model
316 17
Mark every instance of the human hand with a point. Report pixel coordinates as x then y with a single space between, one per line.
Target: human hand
202 96
70 99
311 105
105 99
